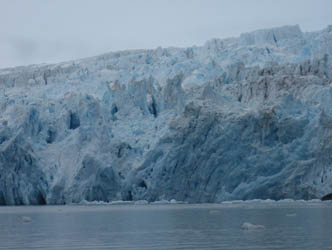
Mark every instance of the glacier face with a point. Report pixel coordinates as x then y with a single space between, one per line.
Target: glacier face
238 118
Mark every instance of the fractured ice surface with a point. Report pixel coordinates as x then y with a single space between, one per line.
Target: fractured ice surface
236 119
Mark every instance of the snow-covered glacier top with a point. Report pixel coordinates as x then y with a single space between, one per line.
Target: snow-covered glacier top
133 125
280 45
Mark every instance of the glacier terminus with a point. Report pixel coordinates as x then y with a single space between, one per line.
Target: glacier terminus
235 119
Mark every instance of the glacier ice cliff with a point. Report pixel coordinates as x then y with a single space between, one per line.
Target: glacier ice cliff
238 118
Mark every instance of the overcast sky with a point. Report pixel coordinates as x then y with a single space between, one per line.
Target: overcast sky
39 31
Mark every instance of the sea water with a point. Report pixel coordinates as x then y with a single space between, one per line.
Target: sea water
287 225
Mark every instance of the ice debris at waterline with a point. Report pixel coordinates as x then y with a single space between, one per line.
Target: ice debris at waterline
26 219
249 226
138 202
232 203
235 119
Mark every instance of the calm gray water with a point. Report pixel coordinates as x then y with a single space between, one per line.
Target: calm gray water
288 225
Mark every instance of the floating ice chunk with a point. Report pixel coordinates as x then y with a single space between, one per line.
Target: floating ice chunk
249 226
26 219
291 215
286 200
314 201
161 202
85 202
141 202
237 201
173 201
214 212
120 202
268 201
226 202
253 201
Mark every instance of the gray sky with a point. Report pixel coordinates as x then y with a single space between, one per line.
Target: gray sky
38 31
